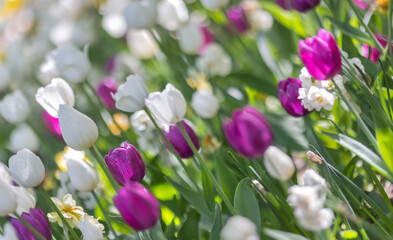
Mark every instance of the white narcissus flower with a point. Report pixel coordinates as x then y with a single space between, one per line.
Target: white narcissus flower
190 38
131 95
312 178
316 98
23 137
4 76
26 169
315 221
239 228
205 104
142 44
214 4
82 176
9 232
25 200
52 95
91 228
214 61
168 106
140 14
14 107
278 164
78 130
304 197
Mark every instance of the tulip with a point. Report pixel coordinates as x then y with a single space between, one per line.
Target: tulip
5 77
23 137
83 177
25 200
374 54
168 106
171 14
363 4
142 44
125 164
137 206
78 130
105 90
205 104
26 169
37 219
248 132
9 232
299 5
14 107
114 24
207 38
91 229
320 55
51 123
278 164
179 142
288 92
8 200
131 95
190 38
54 94
239 228
141 14
214 4
237 16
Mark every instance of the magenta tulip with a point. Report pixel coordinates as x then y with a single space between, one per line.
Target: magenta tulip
299 5
207 38
362 4
373 54
288 92
37 219
237 18
104 91
52 124
179 142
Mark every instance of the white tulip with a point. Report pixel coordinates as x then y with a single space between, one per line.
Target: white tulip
190 38
278 164
260 20
114 24
52 95
171 13
4 77
78 130
205 104
91 229
23 137
168 106
25 200
214 4
239 228
82 176
8 201
14 107
142 44
26 169
214 61
9 232
140 14
131 96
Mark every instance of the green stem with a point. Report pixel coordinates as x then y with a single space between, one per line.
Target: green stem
101 161
31 228
207 171
107 218
65 223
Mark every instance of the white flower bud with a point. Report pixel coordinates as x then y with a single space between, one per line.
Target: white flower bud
78 130
140 14
91 228
82 176
190 38
205 104
278 164
131 95
51 96
168 106
14 107
26 169
25 200
239 228
23 137
214 4
142 44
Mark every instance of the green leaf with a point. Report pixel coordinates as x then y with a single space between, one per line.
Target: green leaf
384 137
349 30
246 203
281 235
215 232
208 191
190 230
156 232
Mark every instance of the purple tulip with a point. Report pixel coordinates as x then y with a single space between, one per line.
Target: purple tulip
179 141
207 38
375 53
248 132
125 164
288 92
320 55
138 206
37 219
105 89
362 4
52 124
236 16
299 5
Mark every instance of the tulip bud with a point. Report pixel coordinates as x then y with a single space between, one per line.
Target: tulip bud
320 55
239 228
141 14
179 142
142 44
51 123
26 169
8 202
205 104
36 219
105 90
91 229
4 77
278 164
52 95
190 38
214 4
25 200
373 54
131 96
248 132
288 92
23 137
14 107
137 206
299 5
82 176
125 164
168 106
237 17
79 131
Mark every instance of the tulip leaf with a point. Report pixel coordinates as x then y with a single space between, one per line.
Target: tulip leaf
384 137
281 235
246 204
349 30
215 232
208 190
190 230
156 232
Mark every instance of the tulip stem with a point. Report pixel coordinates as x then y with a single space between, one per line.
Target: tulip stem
66 234
107 218
31 228
100 160
207 171
65 223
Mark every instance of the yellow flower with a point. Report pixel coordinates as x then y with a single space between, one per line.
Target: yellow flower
121 120
9 7
210 144
72 213
382 5
59 157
